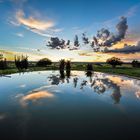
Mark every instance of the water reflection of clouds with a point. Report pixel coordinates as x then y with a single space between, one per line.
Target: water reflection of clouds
46 91
137 94
110 85
132 85
99 83
34 96
22 85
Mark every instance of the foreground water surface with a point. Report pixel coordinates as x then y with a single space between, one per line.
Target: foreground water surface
51 105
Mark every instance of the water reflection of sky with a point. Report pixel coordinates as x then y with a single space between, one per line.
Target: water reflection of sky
42 94
107 86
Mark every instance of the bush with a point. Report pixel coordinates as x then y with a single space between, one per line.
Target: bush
44 62
114 61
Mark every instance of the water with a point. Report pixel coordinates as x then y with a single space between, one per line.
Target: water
77 106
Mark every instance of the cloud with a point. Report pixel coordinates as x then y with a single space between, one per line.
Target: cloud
35 24
19 34
132 11
109 39
39 32
127 49
34 96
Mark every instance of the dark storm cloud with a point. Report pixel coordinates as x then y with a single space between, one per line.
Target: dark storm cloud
127 49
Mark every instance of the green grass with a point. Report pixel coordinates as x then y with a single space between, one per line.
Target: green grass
125 69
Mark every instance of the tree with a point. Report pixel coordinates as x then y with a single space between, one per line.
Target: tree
62 65
89 67
3 62
44 62
114 61
68 65
135 63
21 62
68 68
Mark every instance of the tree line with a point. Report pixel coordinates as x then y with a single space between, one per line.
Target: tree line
22 63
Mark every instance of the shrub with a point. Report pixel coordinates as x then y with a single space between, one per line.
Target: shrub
44 62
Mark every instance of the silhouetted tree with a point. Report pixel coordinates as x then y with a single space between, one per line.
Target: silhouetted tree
68 68
68 65
135 63
3 62
62 65
21 62
89 67
114 61
44 62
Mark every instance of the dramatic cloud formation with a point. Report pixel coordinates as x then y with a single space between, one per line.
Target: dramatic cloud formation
33 23
108 39
127 49
56 43
37 25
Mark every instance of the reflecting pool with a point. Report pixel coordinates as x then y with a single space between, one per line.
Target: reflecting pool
76 105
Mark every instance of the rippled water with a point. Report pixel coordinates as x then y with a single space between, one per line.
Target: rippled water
49 105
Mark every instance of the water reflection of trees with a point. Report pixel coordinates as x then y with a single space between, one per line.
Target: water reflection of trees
98 83
60 78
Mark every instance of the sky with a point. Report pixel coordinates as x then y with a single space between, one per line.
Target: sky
26 26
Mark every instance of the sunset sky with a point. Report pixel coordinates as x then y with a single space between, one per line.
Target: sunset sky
27 25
